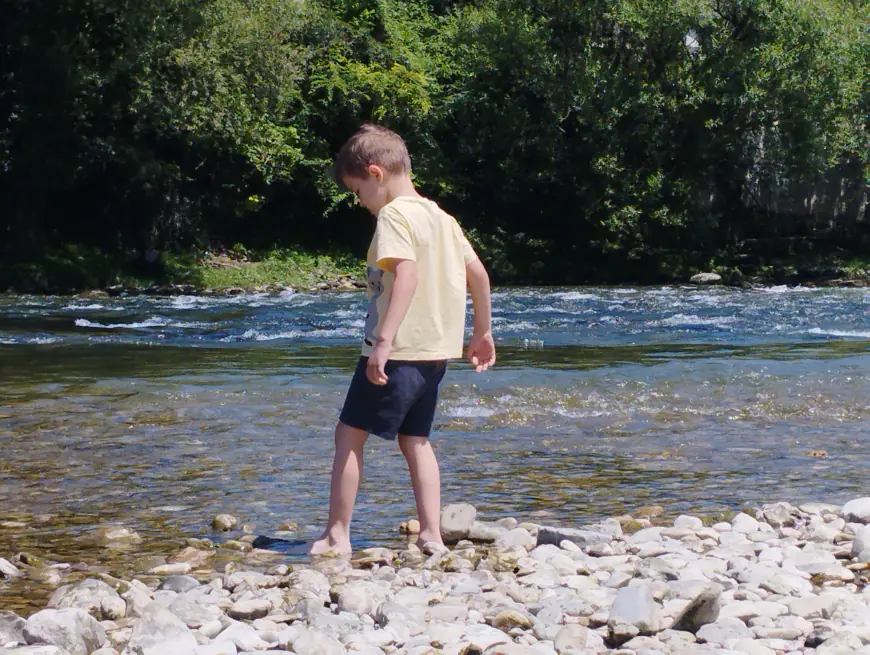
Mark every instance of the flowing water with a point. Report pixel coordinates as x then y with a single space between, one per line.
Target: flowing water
158 413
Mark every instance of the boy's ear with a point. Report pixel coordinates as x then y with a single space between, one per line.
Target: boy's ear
377 172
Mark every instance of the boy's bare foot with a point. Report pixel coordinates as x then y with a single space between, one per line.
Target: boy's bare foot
326 544
432 539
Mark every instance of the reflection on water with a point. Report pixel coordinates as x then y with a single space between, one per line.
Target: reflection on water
696 400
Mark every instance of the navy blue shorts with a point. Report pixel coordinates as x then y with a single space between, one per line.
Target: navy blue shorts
404 405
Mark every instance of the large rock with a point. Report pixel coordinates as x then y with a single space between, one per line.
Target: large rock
862 540
456 521
858 510
8 569
160 632
250 609
179 583
224 522
86 595
11 628
701 610
583 538
516 537
706 278
359 597
724 631
115 536
634 607
71 629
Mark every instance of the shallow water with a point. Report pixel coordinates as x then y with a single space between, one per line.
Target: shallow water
158 413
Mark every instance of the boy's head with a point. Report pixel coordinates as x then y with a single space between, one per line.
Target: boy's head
369 161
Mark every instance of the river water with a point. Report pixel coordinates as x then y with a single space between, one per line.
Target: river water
158 413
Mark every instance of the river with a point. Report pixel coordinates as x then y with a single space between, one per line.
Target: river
158 413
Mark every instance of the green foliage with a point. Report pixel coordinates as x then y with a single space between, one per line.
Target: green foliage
577 140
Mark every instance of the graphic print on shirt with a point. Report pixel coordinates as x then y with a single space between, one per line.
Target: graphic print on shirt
375 280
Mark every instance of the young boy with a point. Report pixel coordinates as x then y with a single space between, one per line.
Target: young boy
418 267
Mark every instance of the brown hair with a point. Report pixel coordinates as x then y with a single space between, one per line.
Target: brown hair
372 144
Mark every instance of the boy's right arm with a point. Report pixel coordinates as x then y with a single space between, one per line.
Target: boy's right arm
481 348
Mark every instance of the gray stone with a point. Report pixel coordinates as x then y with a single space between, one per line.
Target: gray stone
113 608
157 631
516 537
858 510
179 568
724 631
814 607
456 521
194 615
38 650
115 536
779 514
87 595
701 610
224 522
360 597
582 538
485 532
71 629
819 636
572 636
250 609
787 584
842 643
243 636
706 278
688 522
862 540
634 606
179 583
11 628
312 642
8 569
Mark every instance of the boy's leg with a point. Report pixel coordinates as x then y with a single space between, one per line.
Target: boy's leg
346 475
426 479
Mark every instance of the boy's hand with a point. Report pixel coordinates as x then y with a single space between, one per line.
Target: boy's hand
377 360
481 351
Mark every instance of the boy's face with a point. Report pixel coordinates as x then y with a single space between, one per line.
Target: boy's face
371 191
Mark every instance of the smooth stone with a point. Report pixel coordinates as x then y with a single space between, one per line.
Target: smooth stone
701 610
250 609
196 557
787 584
516 537
779 514
456 521
571 636
40 650
224 522
582 538
723 631
483 532
179 584
317 643
370 557
113 536
70 629
685 522
243 636
842 643
8 569
156 630
858 510
179 568
634 606
87 595
11 628
705 278
813 607
861 541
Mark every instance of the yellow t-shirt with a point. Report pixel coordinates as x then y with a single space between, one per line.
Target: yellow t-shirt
415 228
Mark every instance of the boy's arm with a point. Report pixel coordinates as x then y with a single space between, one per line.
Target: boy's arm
404 286
481 348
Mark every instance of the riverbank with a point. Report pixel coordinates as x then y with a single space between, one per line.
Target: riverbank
72 270
783 579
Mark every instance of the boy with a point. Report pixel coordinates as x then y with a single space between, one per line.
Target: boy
418 266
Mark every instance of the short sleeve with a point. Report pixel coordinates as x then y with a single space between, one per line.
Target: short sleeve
393 239
468 254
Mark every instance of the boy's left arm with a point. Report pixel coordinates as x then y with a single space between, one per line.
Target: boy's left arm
404 286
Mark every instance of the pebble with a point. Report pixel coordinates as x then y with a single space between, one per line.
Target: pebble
781 579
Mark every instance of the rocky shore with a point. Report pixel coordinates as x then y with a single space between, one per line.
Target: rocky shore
781 579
